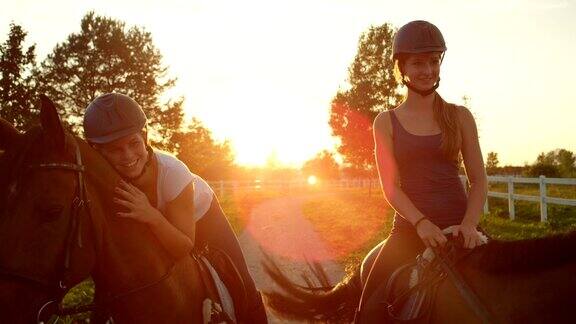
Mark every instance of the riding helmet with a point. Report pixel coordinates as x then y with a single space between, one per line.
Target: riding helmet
418 36
112 116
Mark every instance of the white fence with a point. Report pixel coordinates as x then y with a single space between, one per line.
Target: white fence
221 187
373 186
542 198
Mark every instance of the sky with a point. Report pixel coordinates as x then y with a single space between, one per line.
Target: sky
261 74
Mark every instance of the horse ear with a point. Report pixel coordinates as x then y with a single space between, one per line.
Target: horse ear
51 123
8 134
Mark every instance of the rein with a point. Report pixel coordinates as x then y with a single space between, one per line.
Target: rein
442 266
463 288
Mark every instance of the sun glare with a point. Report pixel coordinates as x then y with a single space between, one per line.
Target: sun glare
312 180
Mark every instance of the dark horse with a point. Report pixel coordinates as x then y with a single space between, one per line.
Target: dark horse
57 228
526 281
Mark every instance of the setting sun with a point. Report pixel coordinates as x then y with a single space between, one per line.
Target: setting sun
270 126
312 180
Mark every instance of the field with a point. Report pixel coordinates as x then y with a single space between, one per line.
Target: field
353 221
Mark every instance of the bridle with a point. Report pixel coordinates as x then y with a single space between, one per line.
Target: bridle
79 205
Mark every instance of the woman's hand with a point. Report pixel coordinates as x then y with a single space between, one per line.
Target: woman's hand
137 203
470 235
430 234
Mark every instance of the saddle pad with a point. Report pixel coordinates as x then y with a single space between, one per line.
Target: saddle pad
223 293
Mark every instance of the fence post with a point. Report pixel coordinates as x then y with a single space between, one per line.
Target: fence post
486 208
511 198
543 206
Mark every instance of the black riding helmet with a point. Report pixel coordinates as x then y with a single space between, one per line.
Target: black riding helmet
415 37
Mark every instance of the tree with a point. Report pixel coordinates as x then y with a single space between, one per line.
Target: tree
538 169
198 150
566 163
17 82
373 89
492 162
557 163
546 158
103 57
323 166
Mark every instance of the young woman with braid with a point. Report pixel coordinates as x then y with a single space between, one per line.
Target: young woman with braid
417 148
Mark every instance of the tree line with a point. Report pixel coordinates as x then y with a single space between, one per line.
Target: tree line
559 163
108 56
105 56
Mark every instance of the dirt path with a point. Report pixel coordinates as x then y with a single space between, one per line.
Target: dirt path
280 229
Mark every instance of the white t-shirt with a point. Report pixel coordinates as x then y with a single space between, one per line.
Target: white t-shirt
173 177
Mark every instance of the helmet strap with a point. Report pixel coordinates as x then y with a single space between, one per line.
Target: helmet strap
423 93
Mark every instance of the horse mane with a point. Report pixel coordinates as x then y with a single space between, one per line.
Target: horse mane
12 160
528 255
97 168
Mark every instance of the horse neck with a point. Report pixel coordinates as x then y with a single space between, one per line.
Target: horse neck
544 296
128 254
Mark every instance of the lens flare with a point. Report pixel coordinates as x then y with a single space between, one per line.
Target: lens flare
312 180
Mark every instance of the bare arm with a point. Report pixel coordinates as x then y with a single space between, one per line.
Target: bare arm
476 174
389 179
180 235
175 231
475 170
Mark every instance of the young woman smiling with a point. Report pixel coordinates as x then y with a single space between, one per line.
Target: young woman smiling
159 190
417 149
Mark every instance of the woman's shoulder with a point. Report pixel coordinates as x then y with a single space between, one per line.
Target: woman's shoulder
383 121
167 160
464 115
176 166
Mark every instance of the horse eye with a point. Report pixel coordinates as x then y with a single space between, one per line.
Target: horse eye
49 213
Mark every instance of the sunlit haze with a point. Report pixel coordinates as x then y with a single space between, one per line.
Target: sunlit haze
262 73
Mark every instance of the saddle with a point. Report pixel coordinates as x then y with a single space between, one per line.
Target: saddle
223 282
411 289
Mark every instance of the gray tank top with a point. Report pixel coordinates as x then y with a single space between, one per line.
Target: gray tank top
427 177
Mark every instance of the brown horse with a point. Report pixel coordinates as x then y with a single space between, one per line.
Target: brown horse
57 227
526 281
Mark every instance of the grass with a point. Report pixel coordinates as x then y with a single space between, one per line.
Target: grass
527 223
557 191
353 222
350 222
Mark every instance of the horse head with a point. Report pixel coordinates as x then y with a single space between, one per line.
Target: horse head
42 212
